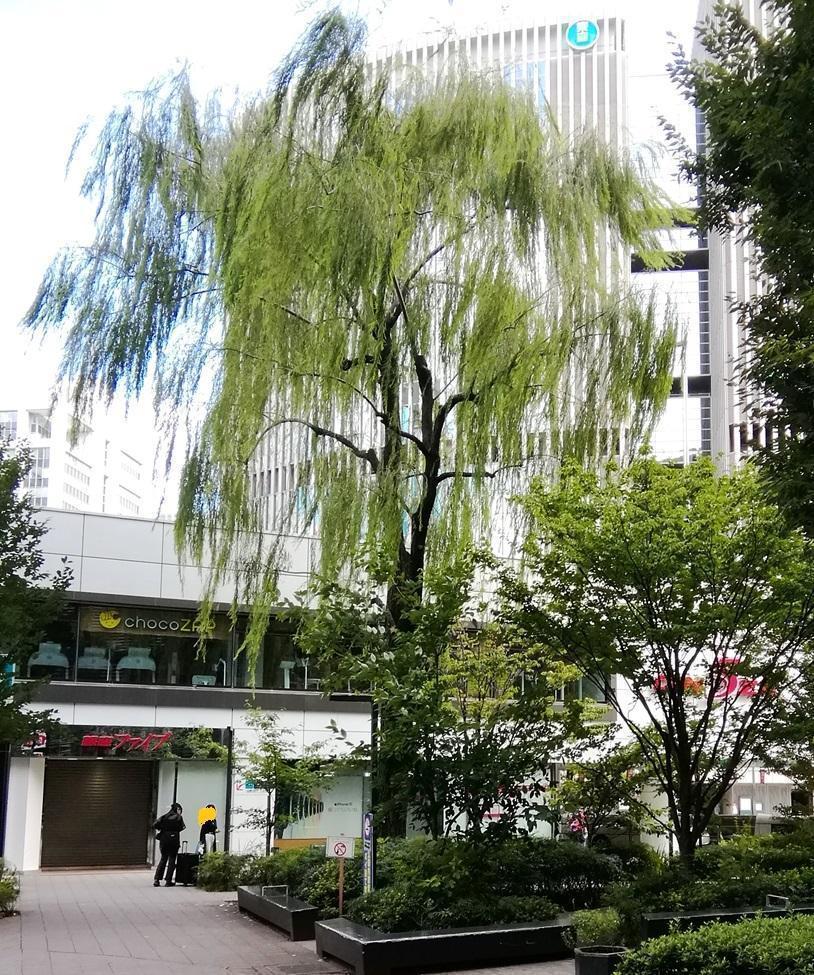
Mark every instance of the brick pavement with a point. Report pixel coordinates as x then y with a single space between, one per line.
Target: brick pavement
117 923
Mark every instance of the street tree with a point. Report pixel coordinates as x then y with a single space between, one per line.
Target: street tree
755 173
290 782
472 717
608 786
30 598
419 288
692 590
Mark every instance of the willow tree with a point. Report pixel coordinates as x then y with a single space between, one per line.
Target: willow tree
340 249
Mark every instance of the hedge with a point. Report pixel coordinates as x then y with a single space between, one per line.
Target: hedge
760 947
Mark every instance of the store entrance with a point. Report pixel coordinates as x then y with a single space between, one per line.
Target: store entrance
96 813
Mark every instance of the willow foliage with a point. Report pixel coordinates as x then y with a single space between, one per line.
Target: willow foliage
344 248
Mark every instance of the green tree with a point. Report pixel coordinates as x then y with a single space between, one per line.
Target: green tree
29 598
756 174
272 768
472 722
409 282
605 787
690 588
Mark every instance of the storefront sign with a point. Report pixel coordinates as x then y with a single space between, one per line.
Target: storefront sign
142 622
125 742
727 684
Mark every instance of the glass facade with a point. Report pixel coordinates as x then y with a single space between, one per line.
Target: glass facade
147 645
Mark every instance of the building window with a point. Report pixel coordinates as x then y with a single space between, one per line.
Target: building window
77 493
40 462
78 470
279 666
128 505
39 424
585 689
131 466
8 425
131 645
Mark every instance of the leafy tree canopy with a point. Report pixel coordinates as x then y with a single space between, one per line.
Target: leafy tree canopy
29 597
272 766
470 717
692 589
756 174
409 292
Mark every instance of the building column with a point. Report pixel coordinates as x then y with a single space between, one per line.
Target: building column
24 813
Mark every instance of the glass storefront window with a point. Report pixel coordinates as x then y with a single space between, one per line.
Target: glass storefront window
54 656
280 665
139 645
127 645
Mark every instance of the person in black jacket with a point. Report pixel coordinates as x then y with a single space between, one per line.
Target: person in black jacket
169 826
209 827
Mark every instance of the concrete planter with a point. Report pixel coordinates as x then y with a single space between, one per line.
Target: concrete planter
662 922
294 917
373 952
598 959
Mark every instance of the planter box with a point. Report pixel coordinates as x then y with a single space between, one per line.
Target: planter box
598 959
295 917
655 925
372 952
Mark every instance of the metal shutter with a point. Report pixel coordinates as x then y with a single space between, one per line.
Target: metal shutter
96 813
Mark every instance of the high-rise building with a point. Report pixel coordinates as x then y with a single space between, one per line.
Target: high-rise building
584 77
736 431
76 465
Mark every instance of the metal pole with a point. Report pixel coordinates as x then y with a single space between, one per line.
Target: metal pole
374 780
341 885
227 809
5 774
175 785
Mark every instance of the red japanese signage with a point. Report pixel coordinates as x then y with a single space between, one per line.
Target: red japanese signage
728 684
125 742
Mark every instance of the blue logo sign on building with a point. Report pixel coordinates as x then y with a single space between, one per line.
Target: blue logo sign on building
581 35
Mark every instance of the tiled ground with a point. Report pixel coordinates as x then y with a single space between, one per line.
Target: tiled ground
117 923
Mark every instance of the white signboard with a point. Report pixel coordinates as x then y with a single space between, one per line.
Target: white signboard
340 847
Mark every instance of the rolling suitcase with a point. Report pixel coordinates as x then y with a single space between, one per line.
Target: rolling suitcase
186 866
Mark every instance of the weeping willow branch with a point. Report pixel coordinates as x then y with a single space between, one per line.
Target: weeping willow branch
417 278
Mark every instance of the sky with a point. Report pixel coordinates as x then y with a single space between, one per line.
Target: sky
67 62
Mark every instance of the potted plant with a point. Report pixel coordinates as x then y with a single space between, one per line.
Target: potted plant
595 937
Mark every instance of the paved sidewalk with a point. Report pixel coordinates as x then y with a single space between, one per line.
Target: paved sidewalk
117 923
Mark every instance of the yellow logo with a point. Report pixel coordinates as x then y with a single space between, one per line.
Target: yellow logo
109 618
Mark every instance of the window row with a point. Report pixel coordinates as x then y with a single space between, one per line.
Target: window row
125 645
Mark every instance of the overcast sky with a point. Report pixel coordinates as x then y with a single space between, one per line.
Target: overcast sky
63 62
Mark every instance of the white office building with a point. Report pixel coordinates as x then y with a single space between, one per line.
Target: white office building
79 465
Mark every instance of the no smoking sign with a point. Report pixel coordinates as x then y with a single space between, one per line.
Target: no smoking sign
339 847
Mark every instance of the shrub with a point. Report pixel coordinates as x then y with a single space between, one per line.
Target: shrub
572 875
599 927
396 908
9 888
227 871
320 884
636 859
288 867
760 947
222 871
405 908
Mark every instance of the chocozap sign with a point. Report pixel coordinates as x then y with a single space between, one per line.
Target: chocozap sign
111 619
